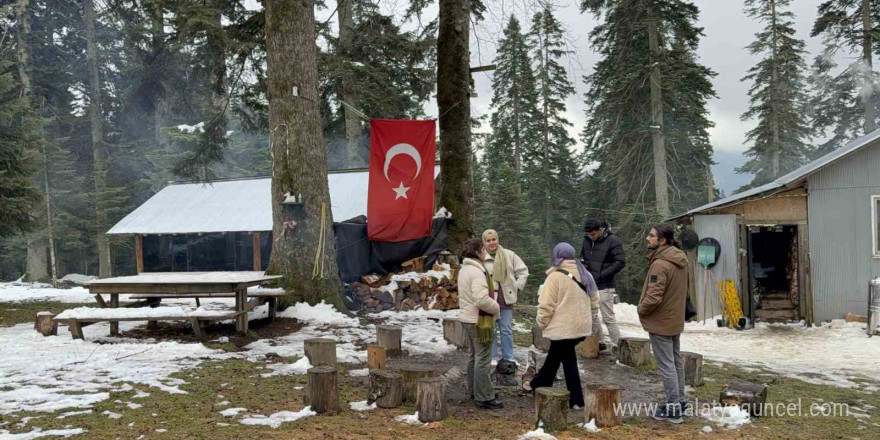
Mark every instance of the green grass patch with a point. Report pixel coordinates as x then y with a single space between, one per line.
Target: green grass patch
12 313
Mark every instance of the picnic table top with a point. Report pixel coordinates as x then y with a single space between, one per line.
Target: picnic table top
188 278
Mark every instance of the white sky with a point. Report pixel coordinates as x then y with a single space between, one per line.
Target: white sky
727 31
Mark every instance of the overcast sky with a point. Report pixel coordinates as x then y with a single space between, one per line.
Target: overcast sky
727 31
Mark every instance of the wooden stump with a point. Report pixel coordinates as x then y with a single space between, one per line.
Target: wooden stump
321 351
321 390
389 336
590 347
45 324
635 352
386 389
376 357
600 400
693 368
431 399
453 333
744 393
551 409
538 340
411 375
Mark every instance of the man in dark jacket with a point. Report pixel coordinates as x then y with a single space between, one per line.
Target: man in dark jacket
602 253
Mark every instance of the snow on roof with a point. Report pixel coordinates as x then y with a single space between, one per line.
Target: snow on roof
234 205
793 178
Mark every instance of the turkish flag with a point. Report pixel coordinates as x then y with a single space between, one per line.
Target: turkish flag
400 200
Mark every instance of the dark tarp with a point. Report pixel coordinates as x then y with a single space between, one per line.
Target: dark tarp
358 256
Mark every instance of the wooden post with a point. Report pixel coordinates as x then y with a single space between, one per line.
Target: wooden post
321 390
602 403
431 399
273 308
693 368
386 389
45 325
75 329
197 329
538 340
321 351
258 262
376 357
241 323
634 352
389 336
590 347
139 252
551 409
114 325
453 333
411 376
744 393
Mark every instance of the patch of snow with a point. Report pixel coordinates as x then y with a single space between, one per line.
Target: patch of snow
223 403
520 327
322 313
232 412
730 417
410 419
133 405
200 127
139 312
298 388
362 406
275 420
74 413
223 339
79 279
37 433
17 291
536 434
161 430
590 426
707 429
359 373
140 395
112 415
297 368
228 133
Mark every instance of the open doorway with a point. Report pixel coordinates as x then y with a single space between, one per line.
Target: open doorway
773 272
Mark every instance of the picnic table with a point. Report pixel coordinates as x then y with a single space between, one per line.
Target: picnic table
157 285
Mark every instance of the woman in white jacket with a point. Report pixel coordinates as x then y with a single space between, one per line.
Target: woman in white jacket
568 310
473 300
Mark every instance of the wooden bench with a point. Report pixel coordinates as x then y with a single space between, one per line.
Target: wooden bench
197 321
269 297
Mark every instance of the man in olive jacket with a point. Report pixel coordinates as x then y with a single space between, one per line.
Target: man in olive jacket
661 311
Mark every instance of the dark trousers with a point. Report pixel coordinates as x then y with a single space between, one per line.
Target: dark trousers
562 352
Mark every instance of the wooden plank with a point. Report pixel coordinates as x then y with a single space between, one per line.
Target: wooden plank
197 329
237 277
83 321
240 304
273 308
75 329
101 302
114 325
139 252
206 295
258 263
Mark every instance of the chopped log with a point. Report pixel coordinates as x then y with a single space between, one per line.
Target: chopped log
386 297
45 325
389 336
321 351
431 399
376 357
601 403
321 390
454 334
414 265
407 305
744 394
590 347
551 409
635 352
411 375
693 368
538 340
386 389
448 258
372 280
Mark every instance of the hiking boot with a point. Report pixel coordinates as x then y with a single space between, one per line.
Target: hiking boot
490 404
669 413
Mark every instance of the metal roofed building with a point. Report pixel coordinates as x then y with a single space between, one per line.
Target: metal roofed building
804 246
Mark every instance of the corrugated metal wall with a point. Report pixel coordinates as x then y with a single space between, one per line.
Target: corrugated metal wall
723 228
841 261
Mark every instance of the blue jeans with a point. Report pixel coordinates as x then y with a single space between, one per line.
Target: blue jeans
504 325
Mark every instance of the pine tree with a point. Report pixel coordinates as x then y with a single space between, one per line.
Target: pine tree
777 95
849 26
833 105
551 170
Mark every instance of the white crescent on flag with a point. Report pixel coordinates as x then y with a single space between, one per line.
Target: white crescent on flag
407 149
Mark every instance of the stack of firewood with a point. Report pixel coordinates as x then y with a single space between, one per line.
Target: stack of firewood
412 288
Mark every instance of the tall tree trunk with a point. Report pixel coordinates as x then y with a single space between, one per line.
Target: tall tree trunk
99 161
545 116
867 58
299 164
157 19
453 102
37 269
661 190
50 230
219 78
774 92
352 120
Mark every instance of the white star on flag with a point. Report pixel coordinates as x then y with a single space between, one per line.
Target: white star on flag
400 191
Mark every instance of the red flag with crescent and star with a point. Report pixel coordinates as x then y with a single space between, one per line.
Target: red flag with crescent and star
400 200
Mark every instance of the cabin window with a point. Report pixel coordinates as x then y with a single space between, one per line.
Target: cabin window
875 211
